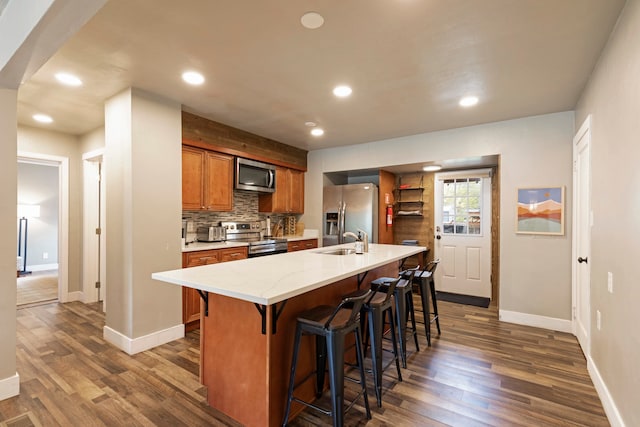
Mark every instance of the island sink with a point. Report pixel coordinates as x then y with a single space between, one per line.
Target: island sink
339 251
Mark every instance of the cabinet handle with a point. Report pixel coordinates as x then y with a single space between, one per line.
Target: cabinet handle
206 258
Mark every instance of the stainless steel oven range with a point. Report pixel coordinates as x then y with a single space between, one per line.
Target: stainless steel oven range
251 232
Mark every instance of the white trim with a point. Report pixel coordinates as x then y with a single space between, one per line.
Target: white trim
146 342
93 155
468 173
42 267
609 405
75 296
553 323
63 214
10 386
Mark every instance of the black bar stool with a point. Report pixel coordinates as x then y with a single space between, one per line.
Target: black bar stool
426 284
376 309
330 325
403 298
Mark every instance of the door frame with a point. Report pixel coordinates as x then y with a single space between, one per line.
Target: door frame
62 164
583 132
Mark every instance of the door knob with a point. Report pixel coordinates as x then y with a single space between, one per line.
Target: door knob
438 236
585 260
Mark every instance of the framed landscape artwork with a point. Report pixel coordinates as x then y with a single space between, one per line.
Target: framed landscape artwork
540 211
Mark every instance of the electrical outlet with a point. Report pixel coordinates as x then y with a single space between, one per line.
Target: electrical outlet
45 255
598 320
610 282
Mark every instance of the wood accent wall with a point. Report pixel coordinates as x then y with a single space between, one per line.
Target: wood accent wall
495 233
386 185
204 133
417 227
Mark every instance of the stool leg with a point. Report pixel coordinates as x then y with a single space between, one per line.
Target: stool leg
412 314
394 341
400 302
335 350
321 363
434 301
375 331
424 298
292 378
363 381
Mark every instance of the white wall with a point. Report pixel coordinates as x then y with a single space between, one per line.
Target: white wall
9 381
535 272
612 96
143 220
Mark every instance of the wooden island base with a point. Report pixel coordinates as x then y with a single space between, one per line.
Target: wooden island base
246 372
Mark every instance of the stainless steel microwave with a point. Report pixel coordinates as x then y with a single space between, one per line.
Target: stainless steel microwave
255 176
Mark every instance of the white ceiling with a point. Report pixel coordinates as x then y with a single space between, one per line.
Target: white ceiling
408 62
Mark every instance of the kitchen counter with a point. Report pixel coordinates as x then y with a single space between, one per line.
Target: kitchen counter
204 246
270 280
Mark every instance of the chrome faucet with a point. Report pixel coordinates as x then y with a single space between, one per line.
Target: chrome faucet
359 238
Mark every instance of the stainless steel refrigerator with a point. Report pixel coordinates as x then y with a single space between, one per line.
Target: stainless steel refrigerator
349 207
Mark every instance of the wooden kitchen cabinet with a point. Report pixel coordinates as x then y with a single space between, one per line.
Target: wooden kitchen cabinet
190 297
289 194
207 180
300 245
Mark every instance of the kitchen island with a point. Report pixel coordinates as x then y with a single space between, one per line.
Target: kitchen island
250 308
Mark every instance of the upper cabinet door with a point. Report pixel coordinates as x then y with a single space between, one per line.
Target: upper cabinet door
207 180
218 187
296 186
192 182
289 194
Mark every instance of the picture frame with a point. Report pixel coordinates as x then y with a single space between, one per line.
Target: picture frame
540 210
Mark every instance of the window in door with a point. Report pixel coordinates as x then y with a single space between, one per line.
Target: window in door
461 206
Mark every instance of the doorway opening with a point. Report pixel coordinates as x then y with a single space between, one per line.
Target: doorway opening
42 255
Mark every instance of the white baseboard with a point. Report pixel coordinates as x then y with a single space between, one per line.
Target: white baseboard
75 296
10 387
534 320
608 403
42 267
137 345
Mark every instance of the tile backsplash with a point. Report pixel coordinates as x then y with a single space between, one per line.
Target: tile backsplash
245 208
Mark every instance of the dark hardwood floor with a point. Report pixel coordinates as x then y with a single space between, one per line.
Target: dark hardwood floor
478 373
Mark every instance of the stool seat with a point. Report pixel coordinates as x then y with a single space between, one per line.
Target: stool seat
318 317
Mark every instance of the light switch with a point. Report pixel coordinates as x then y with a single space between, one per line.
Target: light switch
610 282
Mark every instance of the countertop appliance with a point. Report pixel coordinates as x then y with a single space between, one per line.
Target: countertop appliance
251 232
350 207
255 176
211 234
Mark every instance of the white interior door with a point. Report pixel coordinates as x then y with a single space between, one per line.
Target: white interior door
463 232
94 286
581 270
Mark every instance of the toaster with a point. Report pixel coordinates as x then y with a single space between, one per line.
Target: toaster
211 234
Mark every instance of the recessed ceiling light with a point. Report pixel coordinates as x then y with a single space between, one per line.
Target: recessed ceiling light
310 124
42 118
432 168
317 132
68 79
312 20
193 77
468 101
342 91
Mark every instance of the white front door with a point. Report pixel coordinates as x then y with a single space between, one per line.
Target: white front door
463 232
582 235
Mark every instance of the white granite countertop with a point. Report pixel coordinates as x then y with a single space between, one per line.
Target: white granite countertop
272 279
